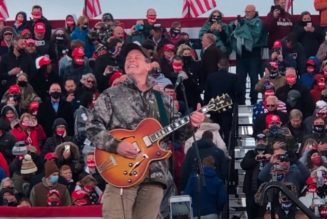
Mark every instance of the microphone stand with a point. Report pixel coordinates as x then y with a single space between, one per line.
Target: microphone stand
200 176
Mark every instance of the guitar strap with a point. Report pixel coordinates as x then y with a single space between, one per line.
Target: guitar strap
162 111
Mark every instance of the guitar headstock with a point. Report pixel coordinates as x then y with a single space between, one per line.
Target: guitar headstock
220 103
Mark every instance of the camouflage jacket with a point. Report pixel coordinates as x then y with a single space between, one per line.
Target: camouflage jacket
124 106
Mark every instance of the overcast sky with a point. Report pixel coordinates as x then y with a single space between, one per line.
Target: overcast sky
58 9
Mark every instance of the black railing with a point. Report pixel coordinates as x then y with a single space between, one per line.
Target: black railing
281 187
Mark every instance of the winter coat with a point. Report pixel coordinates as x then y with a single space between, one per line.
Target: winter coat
79 34
213 194
217 140
322 51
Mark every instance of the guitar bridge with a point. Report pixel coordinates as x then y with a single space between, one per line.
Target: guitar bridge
147 141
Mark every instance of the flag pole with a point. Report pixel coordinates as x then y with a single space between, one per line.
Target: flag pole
292 7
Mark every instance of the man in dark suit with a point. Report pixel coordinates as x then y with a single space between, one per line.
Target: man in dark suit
53 108
209 58
218 83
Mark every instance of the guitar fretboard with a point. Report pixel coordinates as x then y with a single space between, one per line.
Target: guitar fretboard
176 124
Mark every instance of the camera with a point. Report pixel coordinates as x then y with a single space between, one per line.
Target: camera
283 158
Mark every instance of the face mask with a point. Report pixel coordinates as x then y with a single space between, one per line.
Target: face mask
155 72
6 203
322 85
316 160
88 188
84 27
280 176
310 69
139 27
53 203
187 59
53 179
174 32
22 83
21 50
60 132
286 206
55 95
19 21
318 128
323 211
59 38
79 60
177 67
152 18
291 80
273 74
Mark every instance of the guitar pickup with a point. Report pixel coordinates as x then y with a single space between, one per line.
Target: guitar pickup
147 141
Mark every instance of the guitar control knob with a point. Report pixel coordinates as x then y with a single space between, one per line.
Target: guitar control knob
158 153
129 181
125 173
130 164
134 172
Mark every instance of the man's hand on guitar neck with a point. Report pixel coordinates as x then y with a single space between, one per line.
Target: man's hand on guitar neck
197 117
126 149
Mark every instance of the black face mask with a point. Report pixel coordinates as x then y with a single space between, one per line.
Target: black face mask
85 27
21 50
273 74
174 32
55 95
187 59
155 72
22 83
318 128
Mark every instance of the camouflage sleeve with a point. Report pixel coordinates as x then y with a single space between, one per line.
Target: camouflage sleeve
99 124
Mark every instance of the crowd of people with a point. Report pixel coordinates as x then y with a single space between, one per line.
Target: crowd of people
56 108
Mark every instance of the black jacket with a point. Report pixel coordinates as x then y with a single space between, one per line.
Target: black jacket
304 103
206 148
47 115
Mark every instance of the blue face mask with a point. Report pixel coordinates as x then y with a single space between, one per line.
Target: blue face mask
139 27
53 179
286 206
280 177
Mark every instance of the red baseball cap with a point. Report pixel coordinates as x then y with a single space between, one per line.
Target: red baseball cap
14 89
39 27
277 44
169 47
42 61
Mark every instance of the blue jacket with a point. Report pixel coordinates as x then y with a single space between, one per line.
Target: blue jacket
213 195
79 34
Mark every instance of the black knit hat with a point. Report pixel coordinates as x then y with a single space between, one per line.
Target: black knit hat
59 121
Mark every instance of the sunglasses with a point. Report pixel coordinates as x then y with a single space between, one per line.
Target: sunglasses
7 34
90 81
270 105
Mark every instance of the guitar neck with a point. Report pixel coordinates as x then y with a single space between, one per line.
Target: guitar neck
175 125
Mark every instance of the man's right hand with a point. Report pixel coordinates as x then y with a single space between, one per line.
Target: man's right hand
15 71
127 149
276 13
70 98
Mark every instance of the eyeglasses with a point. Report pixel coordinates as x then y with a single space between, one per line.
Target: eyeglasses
90 81
8 33
270 105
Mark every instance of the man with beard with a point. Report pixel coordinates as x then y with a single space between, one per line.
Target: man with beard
13 63
295 95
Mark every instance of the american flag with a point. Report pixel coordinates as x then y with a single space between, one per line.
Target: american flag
194 8
3 10
288 5
92 8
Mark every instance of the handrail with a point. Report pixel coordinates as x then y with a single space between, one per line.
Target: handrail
281 187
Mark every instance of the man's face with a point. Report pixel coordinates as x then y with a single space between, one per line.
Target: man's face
271 105
55 88
70 86
249 12
39 36
205 42
21 44
36 13
296 122
67 174
30 48
8 36
118 32
170 92
136 64
151 16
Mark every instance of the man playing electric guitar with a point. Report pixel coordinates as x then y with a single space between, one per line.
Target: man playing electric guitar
124 107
